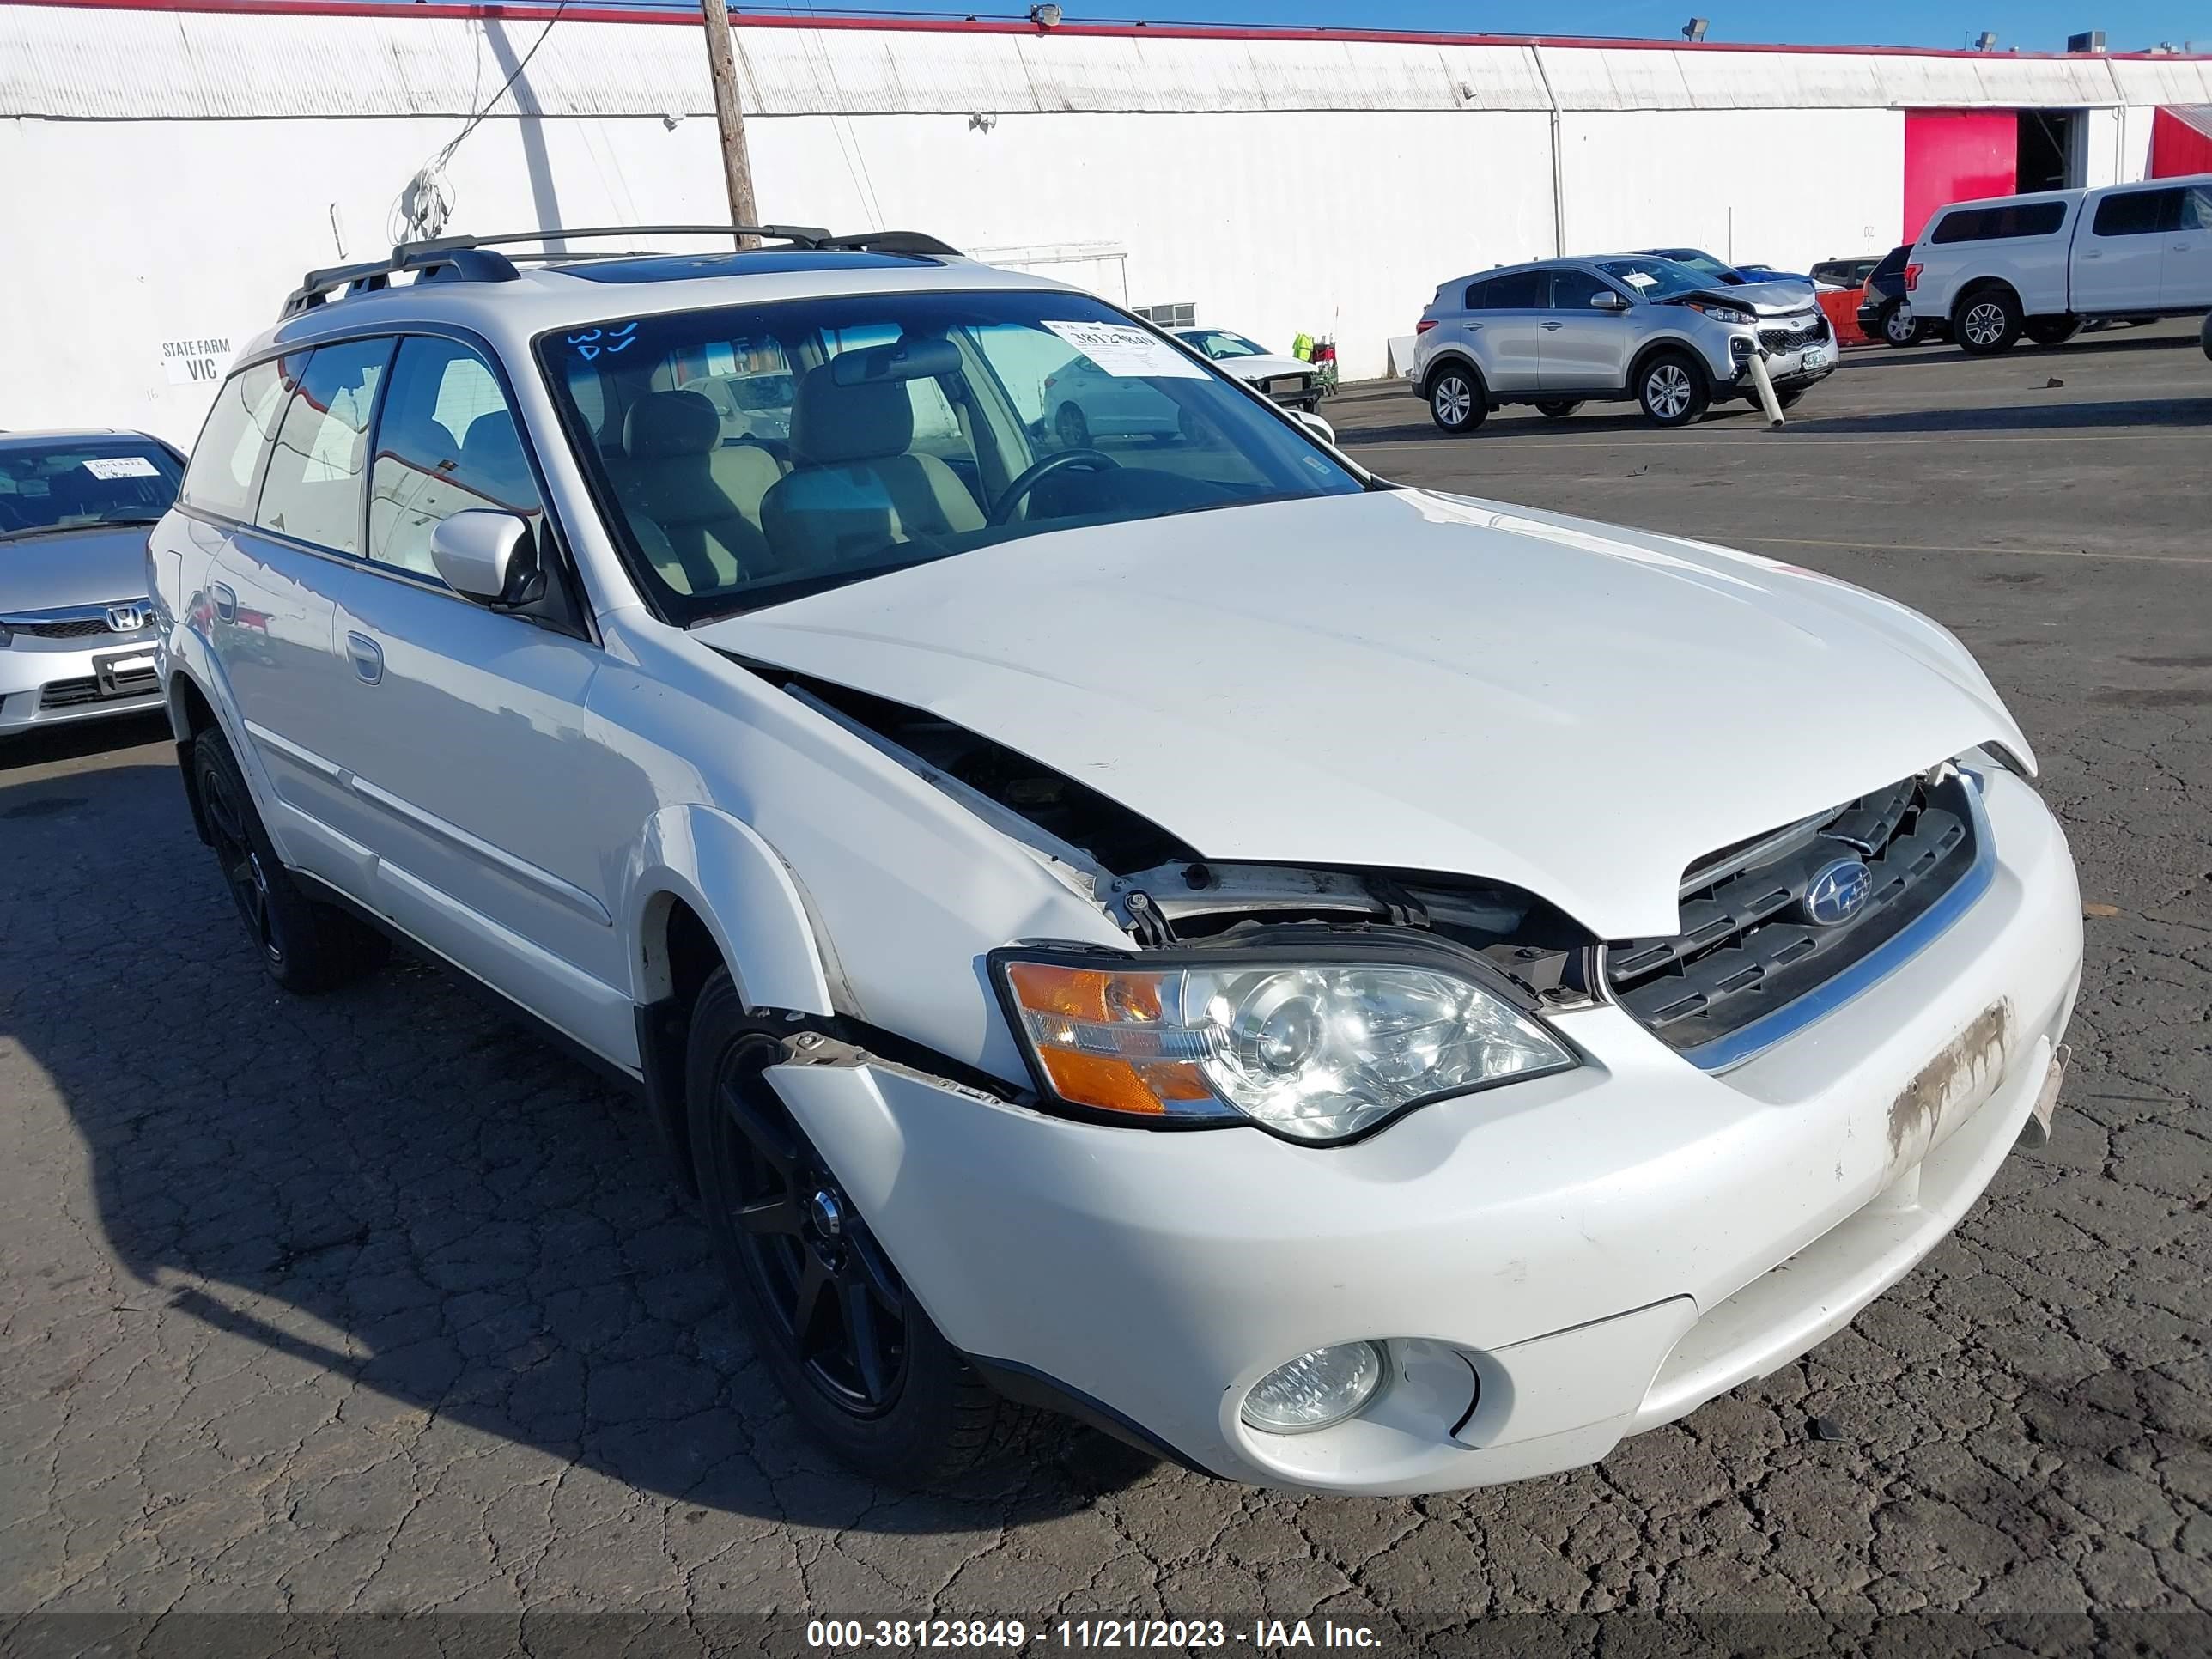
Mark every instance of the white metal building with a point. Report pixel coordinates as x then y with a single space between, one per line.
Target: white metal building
172 167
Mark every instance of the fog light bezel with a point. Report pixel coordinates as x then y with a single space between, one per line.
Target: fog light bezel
1381 1352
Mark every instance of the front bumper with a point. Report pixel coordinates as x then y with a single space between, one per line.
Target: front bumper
1552 1264
52 681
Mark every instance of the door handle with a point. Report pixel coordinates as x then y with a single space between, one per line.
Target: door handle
226 602
1471 328
2091 253
367 658
1553 327
2180 248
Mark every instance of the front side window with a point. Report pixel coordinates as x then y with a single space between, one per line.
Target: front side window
1573 290
227 459
920 426
75 483
2197 208
2138 213
313 490
446 441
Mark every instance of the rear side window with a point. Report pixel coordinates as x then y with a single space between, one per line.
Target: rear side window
1997 224
446 441
312 492
1524 291
227 457
2138 213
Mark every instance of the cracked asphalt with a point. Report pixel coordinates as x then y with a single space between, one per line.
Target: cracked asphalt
373 1304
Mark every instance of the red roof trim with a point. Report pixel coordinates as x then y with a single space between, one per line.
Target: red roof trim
686 18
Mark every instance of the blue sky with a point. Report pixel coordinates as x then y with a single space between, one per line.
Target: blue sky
2035 26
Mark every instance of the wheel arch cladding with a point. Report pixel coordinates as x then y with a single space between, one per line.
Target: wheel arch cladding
1458 360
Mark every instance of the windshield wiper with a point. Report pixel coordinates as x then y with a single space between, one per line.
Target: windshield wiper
66 529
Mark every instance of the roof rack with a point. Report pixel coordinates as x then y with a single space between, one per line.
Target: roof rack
470 258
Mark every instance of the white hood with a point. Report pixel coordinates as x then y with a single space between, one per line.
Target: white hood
1418 682
1266 367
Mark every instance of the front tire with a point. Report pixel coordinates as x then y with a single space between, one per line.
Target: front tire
307 947
1989 322
865 1370
2052 331
1672 390
1457 401
1558 410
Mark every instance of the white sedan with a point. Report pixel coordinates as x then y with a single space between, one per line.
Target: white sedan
1286 380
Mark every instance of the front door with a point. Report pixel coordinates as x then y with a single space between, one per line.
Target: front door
2119 259
2185 279
493 793
1584 349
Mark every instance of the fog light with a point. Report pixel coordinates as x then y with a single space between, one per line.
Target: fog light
1316 1390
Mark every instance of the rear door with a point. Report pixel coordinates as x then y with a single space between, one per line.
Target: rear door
1504 329
2185 275
268 595
1583 349
2119 257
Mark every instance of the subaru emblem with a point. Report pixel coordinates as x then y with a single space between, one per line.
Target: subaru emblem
1838 891
126 618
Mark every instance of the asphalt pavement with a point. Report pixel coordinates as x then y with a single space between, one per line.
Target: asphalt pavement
373 1304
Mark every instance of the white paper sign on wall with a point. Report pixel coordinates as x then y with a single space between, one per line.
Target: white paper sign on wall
195 361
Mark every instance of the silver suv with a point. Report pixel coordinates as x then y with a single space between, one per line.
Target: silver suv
1563 332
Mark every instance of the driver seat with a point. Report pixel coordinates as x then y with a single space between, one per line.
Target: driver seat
854 488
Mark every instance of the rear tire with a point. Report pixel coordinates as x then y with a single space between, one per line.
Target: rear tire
1073 430
865 1370
307 947
1457 401
1558 411
1673 389
1988 322
1900 327
2052 331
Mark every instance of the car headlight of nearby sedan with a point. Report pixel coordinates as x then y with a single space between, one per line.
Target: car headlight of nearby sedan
1316 1048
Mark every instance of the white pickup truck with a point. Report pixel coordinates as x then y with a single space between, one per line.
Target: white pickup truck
2042 265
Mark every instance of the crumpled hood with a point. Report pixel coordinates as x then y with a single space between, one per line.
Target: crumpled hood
94 565
1774 298
1414 681
1265 367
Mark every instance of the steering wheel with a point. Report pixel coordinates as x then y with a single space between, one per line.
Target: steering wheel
1003 508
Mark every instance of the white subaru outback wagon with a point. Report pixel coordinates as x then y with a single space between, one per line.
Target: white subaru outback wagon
1350 987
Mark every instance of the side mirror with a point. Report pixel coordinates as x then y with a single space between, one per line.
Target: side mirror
486 556
1314 424
1607 300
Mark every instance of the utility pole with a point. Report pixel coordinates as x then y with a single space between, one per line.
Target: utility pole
736 165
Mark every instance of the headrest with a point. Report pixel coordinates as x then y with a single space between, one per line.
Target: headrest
856 408
491 455
664 424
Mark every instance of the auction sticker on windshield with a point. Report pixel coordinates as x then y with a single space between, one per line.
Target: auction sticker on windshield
122 466
1127 352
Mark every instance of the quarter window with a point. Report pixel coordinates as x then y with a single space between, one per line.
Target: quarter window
2138 213
227 457
446 441
312 493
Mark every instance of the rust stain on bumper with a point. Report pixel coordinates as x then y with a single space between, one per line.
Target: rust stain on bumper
1951 1086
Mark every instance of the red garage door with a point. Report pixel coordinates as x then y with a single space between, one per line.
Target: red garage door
1955 156
2181 142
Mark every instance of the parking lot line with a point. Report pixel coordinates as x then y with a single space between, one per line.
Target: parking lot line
1940 547
2129 435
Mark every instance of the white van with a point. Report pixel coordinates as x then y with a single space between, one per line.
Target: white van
2041 264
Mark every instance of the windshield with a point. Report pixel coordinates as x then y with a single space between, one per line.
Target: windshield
1655 277
1702 263
1219 342
749 455
69 484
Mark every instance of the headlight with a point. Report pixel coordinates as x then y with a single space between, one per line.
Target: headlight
1724 313
1314 1048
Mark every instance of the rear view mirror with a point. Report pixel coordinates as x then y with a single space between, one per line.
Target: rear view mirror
1606 299
485 556
1314 424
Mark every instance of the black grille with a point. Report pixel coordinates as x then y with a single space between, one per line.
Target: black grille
1748 948
71 694
83 628
1795 335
